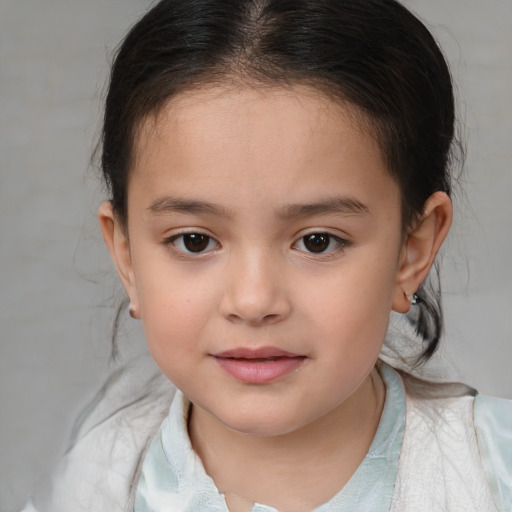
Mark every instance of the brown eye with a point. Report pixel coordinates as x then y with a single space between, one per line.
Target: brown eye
195 242
316 242
321 243
191 243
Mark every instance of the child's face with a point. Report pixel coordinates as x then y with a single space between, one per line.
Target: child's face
262 220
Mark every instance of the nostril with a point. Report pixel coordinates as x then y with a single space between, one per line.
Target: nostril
266 319
271 318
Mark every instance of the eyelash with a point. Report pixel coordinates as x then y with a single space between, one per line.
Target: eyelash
180 238
329 251
184 251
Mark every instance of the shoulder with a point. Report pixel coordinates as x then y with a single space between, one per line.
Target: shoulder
441 465
493 425
109 442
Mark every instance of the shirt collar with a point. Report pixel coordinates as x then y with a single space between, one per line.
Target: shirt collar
173 477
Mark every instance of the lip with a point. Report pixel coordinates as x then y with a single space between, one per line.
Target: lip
258 366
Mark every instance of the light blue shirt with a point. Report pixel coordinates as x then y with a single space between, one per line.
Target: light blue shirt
173 478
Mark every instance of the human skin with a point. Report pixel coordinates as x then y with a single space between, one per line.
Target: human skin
255 172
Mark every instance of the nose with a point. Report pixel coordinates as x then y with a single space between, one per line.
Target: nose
255 290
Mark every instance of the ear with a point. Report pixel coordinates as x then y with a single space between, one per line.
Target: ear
420 248
116 240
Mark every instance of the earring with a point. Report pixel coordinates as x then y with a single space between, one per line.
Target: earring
133 312
413 299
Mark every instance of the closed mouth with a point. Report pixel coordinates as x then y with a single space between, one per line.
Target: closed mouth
258 366
261 354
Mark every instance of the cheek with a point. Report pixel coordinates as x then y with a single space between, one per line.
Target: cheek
351 307
174 325
166 288
175 305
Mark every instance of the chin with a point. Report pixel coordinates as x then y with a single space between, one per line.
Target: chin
263 425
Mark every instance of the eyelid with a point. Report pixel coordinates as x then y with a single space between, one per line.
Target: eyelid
343 243
169 243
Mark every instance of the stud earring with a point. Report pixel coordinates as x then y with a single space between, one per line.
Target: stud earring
413 299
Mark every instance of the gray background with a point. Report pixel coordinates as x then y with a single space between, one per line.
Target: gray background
55 276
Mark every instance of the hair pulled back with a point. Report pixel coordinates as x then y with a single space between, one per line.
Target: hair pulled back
372 54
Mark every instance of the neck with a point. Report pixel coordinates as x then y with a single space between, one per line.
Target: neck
273 470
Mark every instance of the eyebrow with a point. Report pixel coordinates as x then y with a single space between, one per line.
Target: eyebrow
335 205
170 204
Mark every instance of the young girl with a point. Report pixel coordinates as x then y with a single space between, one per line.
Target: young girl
280 183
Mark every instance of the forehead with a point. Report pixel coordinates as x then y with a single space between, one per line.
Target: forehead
211 112
290 138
